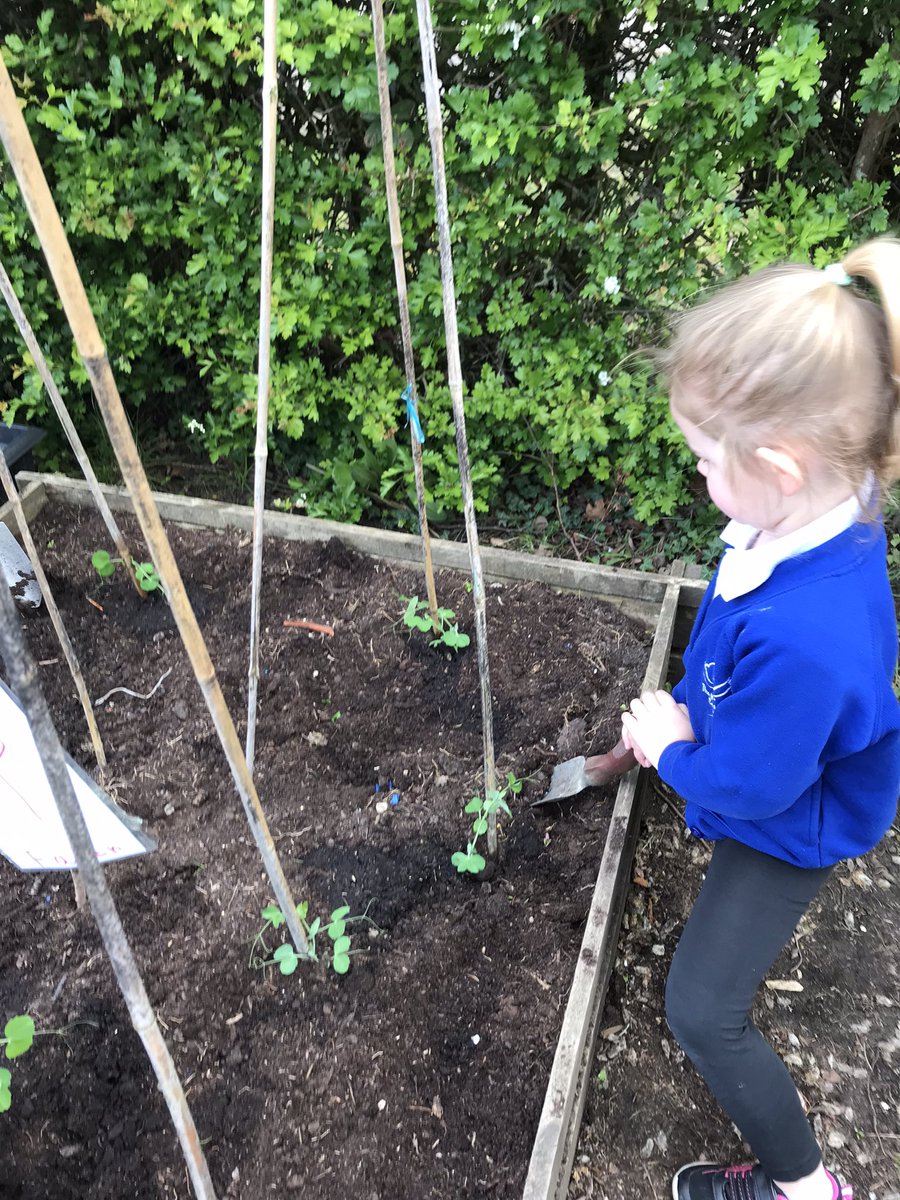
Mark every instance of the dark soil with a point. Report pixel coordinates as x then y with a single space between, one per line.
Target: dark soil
649 1113
422 1072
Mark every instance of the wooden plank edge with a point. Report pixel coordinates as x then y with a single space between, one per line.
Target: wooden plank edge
639 592
32 494
555 1143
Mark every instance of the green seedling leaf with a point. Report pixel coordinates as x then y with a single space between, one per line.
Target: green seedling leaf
342 945
5 1092
19 1034
340 913
475 805
302 909
145 574
480 826
513 784
341 963
103 564
273 914
453 638
471 862
412 618
314 928
445 614
286 957
335 929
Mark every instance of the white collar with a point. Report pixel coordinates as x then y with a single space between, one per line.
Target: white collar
745 567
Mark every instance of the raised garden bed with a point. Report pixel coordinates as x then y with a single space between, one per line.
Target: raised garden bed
421 1074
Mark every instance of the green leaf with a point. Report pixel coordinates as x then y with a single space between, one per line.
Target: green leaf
19 1034
342 945
314 928
341 963
5 1091
286 957
480 826
453 638
145 574
475 805
273 914
103 564
335 928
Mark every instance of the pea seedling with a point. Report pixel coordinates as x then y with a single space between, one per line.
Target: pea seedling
471 861
416 616
286 958
18 1036
144 572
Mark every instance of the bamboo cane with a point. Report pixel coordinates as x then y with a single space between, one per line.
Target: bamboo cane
270 108
23 157
68 649
393 207
59 405
454 380
24 679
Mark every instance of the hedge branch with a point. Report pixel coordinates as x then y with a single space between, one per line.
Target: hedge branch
270 110
65 643
454 380
24 678
393 207
23 157
59 405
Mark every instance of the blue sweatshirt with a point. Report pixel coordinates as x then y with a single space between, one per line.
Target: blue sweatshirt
789 693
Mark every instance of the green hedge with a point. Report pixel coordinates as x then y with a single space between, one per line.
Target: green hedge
605 163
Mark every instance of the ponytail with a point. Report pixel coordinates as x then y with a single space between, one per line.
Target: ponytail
878 262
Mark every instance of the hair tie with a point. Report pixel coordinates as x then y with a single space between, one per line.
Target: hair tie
835 273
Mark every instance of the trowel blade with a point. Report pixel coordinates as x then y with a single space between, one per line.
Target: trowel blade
17 571
568 779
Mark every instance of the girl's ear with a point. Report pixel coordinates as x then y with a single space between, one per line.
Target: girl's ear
787 467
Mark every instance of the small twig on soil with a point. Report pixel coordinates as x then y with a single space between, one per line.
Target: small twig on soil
665 799
326 629
99 607
869 1094
128 692
650 1181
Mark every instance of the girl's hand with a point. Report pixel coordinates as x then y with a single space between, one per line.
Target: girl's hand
655 722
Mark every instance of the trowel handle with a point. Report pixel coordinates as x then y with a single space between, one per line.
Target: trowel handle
603 767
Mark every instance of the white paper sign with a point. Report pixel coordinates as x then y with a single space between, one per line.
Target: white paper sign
32 836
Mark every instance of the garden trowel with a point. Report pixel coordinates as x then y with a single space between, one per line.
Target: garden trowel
573 776
17 571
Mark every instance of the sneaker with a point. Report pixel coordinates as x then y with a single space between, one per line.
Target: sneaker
707 1181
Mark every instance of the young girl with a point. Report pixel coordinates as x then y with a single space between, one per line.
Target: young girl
783 737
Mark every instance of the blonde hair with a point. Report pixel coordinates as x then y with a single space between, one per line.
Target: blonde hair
789 354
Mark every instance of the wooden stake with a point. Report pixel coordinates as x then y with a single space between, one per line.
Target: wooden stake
23 677
269 138
393 206
23 157
59 405
454 380
68 649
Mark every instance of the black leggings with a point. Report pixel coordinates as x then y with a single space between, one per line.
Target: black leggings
747 909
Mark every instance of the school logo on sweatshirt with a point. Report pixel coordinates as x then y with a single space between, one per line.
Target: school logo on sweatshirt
714 691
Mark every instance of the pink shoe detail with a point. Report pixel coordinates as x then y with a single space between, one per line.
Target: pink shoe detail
839 1191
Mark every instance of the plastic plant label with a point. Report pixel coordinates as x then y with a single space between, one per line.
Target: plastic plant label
32 836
